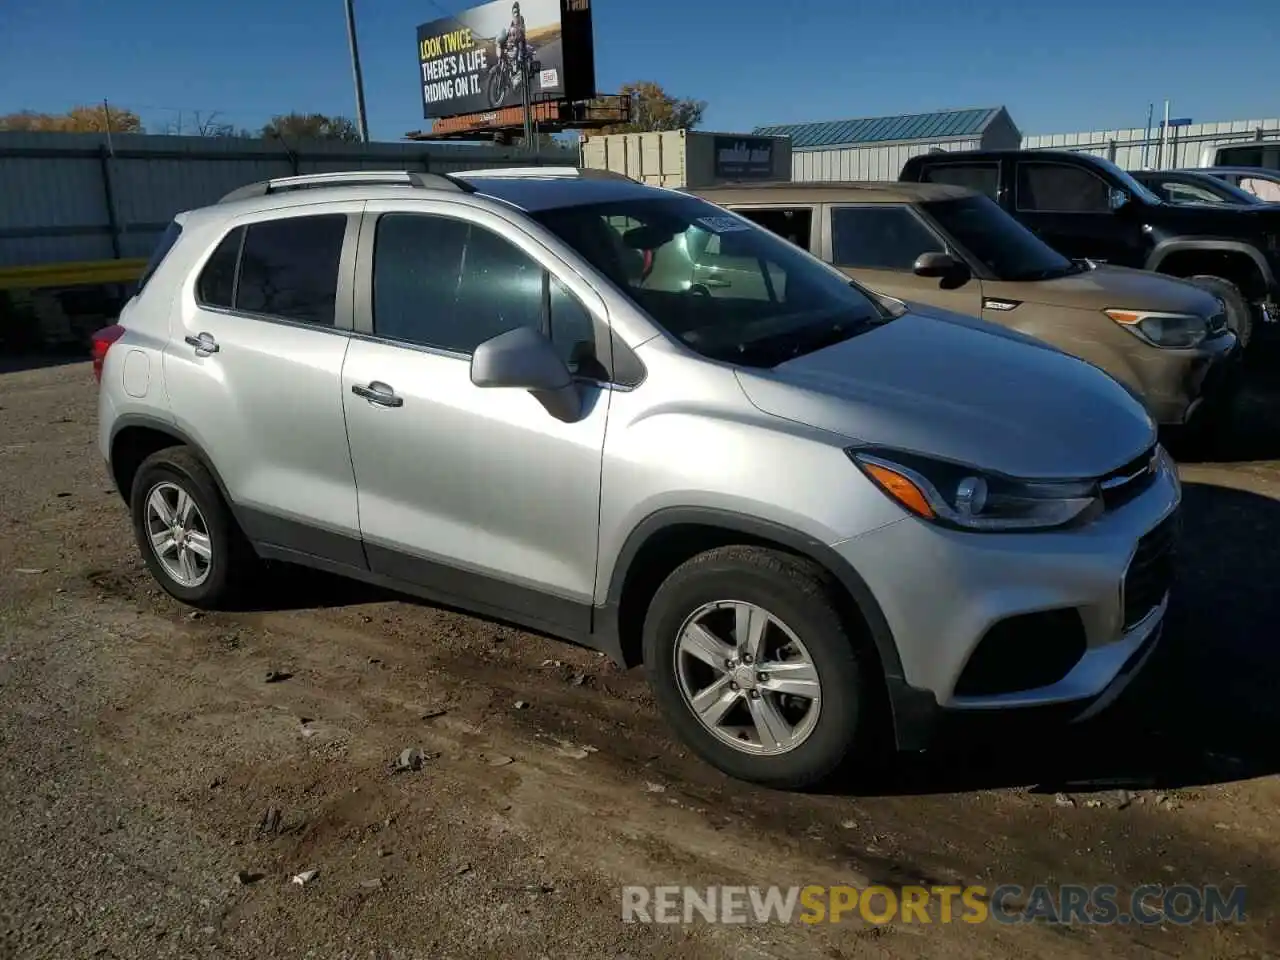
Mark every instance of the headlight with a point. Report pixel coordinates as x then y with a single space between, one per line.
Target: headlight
1162 329
966 498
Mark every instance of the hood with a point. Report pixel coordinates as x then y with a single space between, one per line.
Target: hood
955 387
1107 288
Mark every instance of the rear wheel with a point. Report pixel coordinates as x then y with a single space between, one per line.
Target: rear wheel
752 665
188 538
1239 311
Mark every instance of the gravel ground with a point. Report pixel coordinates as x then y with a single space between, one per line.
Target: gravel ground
149 768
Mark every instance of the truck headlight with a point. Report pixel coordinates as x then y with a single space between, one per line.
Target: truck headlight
966 498
1162 329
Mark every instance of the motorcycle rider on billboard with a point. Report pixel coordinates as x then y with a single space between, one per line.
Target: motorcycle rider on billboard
511 41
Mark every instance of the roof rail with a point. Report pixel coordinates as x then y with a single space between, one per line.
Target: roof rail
512 173
348 178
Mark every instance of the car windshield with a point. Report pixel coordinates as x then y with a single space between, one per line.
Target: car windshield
726 288
1127 181
1007 249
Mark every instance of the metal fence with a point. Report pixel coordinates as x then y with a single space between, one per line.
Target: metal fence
1137 148
93 197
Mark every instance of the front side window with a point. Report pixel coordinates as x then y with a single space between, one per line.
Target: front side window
1007 249
289 268
883 237
982 177
1059 188
724 287
449 284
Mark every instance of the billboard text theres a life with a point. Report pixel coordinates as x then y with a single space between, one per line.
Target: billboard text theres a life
482 58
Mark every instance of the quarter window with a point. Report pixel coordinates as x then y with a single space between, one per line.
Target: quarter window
1059 188
216 284
879 238
289 268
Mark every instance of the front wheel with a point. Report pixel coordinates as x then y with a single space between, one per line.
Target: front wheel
751 664
1239 312
497 85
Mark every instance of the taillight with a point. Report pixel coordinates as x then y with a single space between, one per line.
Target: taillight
102 341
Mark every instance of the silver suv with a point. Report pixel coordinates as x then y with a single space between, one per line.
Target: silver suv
813 513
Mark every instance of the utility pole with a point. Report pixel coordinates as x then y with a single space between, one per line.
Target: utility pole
355 71
1146 143
1164 138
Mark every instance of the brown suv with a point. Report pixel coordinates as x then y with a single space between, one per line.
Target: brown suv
953 248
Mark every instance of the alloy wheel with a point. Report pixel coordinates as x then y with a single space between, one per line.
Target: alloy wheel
178 534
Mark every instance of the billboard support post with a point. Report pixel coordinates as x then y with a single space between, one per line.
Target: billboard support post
355 71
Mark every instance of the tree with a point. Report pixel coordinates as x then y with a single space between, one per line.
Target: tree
311 126
98 118
652 108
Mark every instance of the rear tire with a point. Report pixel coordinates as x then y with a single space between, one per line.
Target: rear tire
804 637
1239 312
189 540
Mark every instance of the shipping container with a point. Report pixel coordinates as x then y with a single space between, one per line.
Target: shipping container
689 158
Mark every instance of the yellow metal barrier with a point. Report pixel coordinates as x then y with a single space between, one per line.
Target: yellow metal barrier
70 274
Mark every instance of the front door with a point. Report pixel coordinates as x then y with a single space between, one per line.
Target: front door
1068 207
475 494
253 376
878 243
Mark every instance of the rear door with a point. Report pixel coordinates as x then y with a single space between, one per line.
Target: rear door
254 368
878 244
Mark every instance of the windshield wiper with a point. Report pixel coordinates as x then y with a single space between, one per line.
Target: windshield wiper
781 347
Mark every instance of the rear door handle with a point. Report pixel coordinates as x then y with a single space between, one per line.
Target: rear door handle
204 344
378 393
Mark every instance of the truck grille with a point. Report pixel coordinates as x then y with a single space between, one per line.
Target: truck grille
1151 571
1124 483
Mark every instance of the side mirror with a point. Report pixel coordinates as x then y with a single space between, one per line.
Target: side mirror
524 359
952 272
1117 198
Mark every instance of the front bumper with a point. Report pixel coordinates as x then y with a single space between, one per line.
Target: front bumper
1179 382
944 593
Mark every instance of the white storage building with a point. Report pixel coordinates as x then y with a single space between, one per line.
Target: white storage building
875 148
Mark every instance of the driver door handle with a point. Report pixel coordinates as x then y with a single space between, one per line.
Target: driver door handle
204 344
378 393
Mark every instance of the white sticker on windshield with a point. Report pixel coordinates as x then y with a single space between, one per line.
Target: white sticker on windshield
723 224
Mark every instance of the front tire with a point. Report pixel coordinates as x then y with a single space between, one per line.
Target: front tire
750 662
1239 312
189 540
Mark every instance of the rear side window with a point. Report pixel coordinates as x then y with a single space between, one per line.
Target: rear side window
791 224
1059 188
216 285
167 239
879 238
983 177
289 268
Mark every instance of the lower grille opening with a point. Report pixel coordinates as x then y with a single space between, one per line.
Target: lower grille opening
1151 572
1024 652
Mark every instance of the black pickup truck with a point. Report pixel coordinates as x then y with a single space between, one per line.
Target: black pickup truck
1089 209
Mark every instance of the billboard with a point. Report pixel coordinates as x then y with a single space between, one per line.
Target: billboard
743 158
477 60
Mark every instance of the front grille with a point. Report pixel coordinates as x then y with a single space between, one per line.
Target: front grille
1124 483
1150 574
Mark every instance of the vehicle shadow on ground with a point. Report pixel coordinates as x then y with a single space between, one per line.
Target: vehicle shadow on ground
17 364
1252 429
286 586
1204 710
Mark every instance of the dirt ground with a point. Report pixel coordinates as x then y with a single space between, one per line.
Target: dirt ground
142 753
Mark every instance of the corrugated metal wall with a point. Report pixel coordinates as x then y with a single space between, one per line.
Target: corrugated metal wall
74 197
878 162
1132 149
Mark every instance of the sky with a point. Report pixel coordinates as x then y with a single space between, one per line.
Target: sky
1058 67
